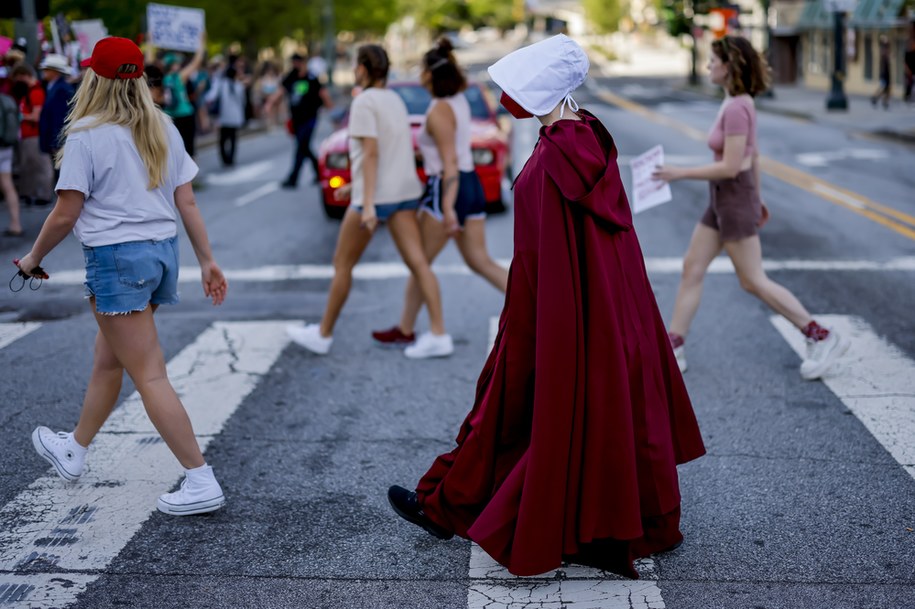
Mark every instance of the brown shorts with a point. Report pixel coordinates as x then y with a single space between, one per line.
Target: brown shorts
735 208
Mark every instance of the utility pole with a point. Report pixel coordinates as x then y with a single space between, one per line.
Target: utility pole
330 39
27 28
837 99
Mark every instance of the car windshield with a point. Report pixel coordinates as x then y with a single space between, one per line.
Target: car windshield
415 97
417 100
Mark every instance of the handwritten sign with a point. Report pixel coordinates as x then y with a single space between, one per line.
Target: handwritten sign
87 33
175 27
647 192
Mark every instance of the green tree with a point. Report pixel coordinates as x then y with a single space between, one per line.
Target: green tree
605 15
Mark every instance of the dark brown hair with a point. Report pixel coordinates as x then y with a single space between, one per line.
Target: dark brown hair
375 61
748 71
446 76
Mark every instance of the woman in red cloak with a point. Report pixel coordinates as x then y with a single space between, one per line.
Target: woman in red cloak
581 415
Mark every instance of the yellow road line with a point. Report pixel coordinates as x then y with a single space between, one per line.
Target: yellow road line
895 220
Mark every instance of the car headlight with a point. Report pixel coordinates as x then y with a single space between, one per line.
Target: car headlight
483 156
337 160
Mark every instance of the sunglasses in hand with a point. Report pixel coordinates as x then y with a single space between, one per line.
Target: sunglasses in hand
35 278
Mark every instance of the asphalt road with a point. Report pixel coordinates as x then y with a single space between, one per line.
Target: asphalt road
796 505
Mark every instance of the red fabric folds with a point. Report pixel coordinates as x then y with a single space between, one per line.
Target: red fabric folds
581 415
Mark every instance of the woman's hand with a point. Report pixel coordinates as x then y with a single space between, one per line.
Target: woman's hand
665 173
28 264
215 285
450 220
343 192
369 218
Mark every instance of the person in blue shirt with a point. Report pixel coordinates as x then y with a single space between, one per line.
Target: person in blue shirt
54 70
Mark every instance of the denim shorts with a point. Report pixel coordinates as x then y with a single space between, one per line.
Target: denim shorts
385 210
470 203
127 277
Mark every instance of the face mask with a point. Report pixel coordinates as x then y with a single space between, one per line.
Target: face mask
20 89
513 108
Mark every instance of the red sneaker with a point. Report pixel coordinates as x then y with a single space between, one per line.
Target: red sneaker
394 337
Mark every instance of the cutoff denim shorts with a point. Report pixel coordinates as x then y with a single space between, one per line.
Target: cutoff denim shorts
383 211
127 277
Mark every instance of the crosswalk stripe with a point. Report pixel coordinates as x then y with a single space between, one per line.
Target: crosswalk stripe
396 270
74 531
570 587
874 380
11 332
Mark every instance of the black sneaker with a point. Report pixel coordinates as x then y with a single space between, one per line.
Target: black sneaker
289 184
407 507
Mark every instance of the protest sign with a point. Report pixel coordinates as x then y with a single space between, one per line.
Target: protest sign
648 192
175 27
87 33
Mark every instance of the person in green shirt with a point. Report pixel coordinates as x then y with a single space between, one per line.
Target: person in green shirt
179 106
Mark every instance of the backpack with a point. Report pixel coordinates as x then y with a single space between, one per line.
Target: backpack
9 121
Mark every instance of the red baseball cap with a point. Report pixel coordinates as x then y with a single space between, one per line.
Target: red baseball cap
115 58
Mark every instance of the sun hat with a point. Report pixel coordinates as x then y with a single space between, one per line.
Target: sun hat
115 58
541 76
56 62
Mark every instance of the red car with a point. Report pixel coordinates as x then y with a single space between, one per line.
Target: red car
489 141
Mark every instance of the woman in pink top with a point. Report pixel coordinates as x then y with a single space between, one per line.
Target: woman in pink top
736 211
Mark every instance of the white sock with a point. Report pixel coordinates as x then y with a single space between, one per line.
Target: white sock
76 446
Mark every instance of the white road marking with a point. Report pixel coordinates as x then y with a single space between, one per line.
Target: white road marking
875 381
396 270
243 174
823 159
69 533
257 193
11 332
571 587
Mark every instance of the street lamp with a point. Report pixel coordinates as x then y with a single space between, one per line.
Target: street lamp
837 99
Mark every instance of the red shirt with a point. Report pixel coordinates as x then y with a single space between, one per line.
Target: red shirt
27 104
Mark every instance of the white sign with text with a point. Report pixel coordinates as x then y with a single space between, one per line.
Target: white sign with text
646 191
87 33
175 27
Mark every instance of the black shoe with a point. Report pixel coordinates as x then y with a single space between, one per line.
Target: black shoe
41 202
289 184
407 507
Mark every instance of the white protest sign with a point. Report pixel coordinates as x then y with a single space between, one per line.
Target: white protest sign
87 33
647 192
175 27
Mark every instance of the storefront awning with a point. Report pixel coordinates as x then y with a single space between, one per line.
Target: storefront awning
877 14
814 16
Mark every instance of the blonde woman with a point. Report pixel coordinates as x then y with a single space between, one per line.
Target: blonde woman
123 173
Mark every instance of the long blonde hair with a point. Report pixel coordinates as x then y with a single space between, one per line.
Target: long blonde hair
125 102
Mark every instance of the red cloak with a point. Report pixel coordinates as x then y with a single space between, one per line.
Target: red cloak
581 415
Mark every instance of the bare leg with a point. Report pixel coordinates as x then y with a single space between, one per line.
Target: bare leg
703 247
472 243
434 240
351 243
746 255
405 231
12 201
135 343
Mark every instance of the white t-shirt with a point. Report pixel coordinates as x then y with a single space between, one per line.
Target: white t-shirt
432 160
103 163
381 114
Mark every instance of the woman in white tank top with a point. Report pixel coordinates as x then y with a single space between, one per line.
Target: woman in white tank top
453 204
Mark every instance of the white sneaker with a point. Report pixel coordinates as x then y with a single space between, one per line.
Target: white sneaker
822 354
309 336
430 345
680 354
199 493
61 451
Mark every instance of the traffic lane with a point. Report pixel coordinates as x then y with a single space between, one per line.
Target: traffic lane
307 459
794 488
801 225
